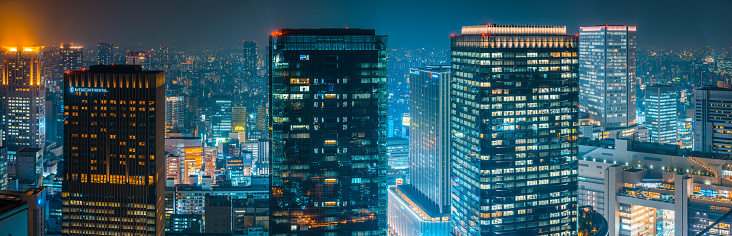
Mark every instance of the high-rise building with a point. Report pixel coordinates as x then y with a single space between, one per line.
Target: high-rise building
22 212
712 123
29 167
105 53
608 80
71 58
249 48
262 118
514 130
174 112
262 165
221 117
139 58
428 188
328 101
239 119
114 151
23 95
661 116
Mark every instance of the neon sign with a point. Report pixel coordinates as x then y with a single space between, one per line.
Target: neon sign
87 90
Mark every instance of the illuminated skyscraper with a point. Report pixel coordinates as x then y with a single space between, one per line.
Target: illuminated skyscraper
221 117
607 80
139 58
239 118
328 101
262 120
514 131
661 117
174 112
71 58
712 123
250 60
428 188
105 53
23 95
114 181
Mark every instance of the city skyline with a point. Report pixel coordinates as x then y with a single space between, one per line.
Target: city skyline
404 118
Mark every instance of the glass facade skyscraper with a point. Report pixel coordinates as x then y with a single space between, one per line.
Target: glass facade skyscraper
712 124
23 94
608 80
114 151
422 206
328 130
661 117
429 135
514 131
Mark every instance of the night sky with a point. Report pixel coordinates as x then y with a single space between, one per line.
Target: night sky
409 24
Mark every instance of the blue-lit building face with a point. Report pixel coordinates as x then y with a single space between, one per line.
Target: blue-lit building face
328 132
607 77
514 130
661 117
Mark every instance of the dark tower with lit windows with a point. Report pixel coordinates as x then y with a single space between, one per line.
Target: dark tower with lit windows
113 151
328 130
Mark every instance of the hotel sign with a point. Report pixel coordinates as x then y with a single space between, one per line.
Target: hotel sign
87 90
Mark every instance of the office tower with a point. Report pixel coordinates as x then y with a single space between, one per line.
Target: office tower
218 215
174 112
607 80
114 151
661 117
514 131
161 58
250 60
428 188
712 123
105 53
173 168
239 119
686 129
71 58
28 167
262 120
328 99
23 95
139 58
221 117
262 159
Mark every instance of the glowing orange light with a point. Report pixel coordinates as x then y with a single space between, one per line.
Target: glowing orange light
13 49
452 35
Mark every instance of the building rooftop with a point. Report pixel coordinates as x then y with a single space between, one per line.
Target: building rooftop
327 32
493 29
28 150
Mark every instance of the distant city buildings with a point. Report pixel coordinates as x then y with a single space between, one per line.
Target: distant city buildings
514 97
174 112
249 49
139 58
328 100
71 58
661 116
113 150
607 71
712 122
105 53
